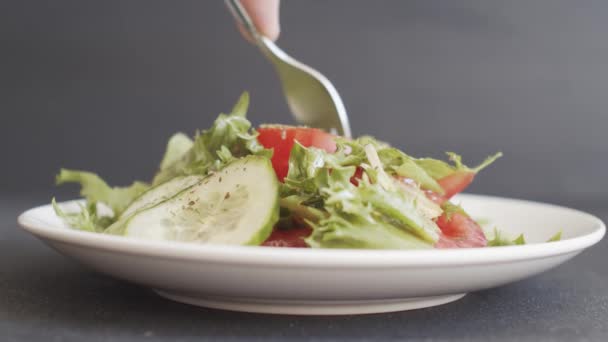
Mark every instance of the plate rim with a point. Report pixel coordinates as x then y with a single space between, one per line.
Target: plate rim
317 258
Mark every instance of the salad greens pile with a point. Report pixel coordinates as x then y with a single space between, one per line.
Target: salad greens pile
366 194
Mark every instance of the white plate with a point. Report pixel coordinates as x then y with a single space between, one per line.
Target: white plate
309 281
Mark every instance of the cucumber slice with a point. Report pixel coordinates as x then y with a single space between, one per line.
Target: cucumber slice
238 206
160 193
151 198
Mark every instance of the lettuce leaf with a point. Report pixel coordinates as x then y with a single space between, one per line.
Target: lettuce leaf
500 240
395 162
229 137
390 206
358 231
177 146
370 215
301 207
426 171
95 189
556 237
86 219
438 169
403 165
306 171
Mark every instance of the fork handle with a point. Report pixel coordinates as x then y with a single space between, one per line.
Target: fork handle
241 15
267 46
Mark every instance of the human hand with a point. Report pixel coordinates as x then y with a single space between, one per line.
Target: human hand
265 17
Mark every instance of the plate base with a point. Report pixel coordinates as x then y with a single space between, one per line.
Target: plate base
312 307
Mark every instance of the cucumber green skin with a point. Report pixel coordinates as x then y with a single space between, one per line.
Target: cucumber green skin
266 230
119 227
273 215
116 228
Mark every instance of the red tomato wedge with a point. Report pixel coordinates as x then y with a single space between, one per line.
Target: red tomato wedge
459 231
357 176
288 237
456 182
281 139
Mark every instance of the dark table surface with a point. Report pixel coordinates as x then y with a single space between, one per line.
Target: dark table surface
46 297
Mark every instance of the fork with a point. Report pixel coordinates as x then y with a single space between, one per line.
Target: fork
311 97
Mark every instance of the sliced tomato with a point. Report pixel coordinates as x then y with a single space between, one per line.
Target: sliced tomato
456 182
357 176
459 231
293 237
281 138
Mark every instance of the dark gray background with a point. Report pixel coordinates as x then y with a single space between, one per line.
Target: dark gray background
101 85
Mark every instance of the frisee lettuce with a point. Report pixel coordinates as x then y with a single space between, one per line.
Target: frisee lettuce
95 189
369 214
178 145
87 219
340 230
229 137
424 171
390 206
556 237
500 240
439 169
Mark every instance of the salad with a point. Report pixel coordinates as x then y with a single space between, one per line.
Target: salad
286 186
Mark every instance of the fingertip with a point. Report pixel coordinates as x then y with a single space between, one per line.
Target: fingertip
265 16
273 33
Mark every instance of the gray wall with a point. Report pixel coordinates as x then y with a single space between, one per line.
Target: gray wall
101 84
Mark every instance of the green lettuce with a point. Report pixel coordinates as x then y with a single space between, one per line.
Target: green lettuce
86 219
438 169
307 168
95 189
179 144
229 137
359 231
425 171
556 237
500 240
403 165
369 215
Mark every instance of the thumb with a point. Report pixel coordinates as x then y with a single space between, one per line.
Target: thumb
265 17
